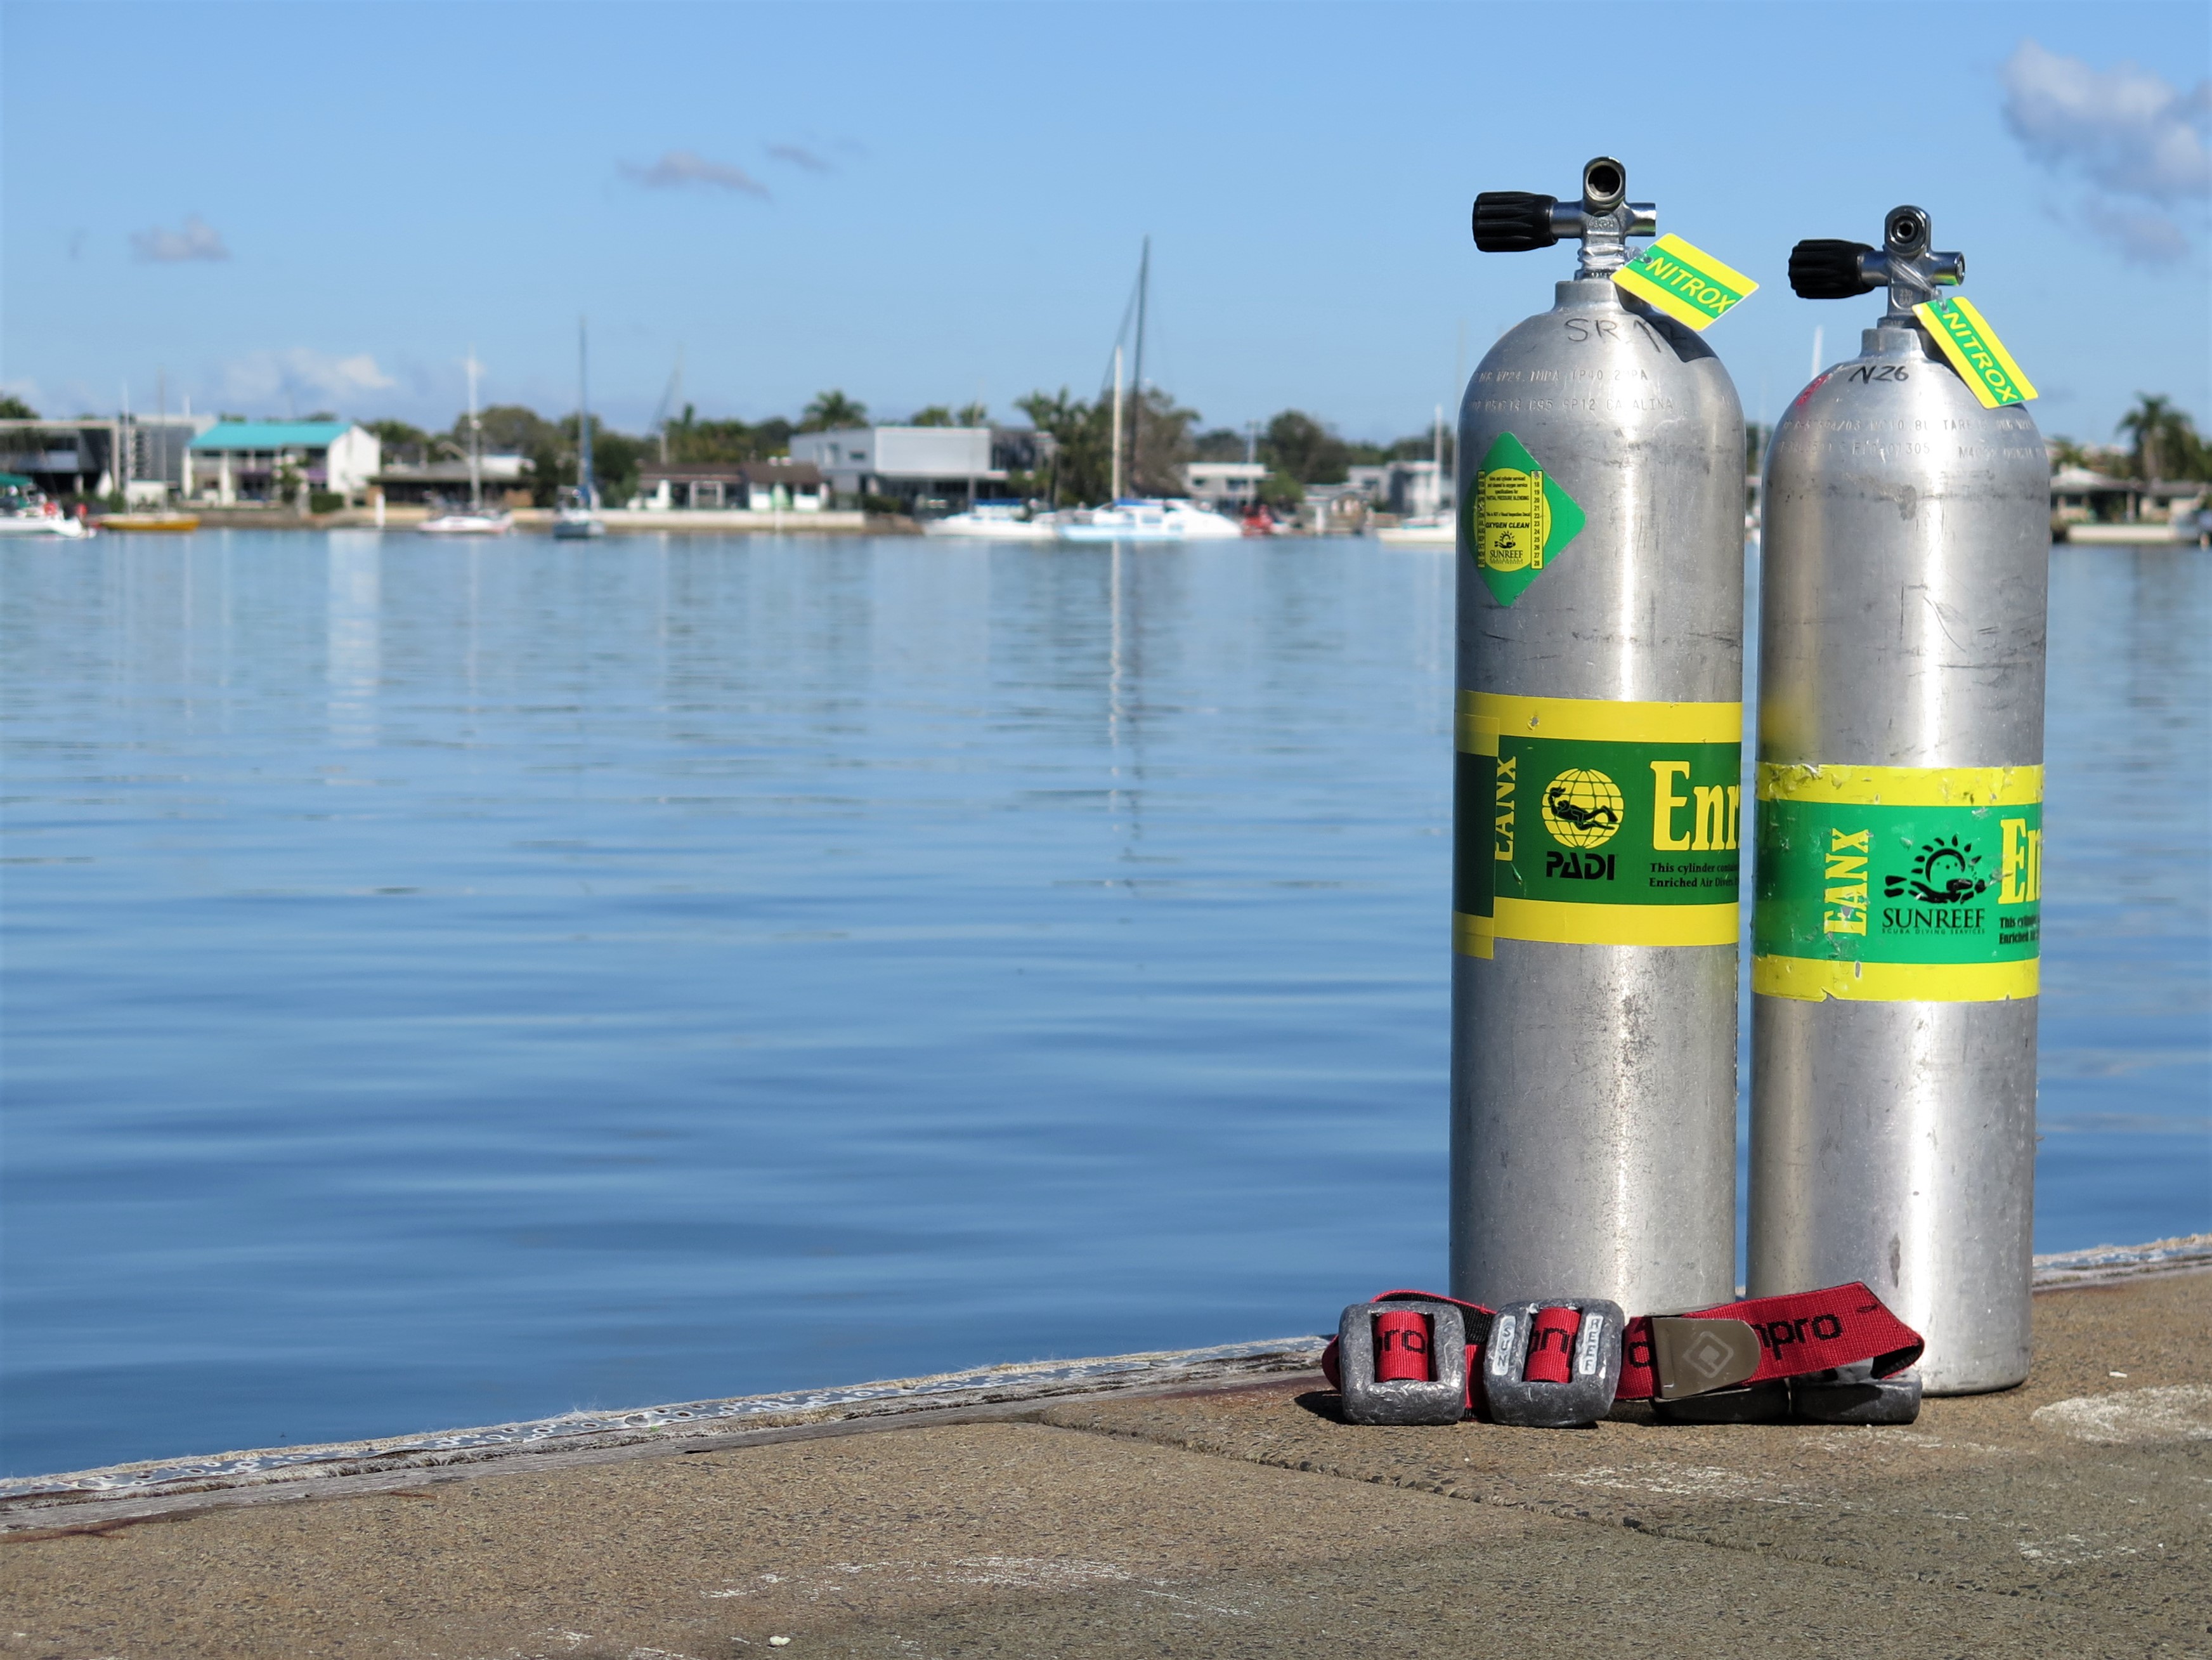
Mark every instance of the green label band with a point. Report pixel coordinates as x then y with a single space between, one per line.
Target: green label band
1898 883
1580 821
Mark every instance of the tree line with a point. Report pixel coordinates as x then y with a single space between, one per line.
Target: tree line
2159 441
1159 435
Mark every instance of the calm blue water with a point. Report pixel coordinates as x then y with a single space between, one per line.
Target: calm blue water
447 984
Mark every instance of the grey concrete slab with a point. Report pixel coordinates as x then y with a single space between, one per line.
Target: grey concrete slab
2068 1517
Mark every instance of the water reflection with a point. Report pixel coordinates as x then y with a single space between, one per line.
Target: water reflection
741 965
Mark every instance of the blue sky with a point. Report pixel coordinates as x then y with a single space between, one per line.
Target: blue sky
296 206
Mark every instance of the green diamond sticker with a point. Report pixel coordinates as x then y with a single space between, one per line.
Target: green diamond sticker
1517 520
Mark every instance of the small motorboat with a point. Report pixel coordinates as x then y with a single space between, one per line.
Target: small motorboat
26 510
995 521
468 521
1430 530
1151 520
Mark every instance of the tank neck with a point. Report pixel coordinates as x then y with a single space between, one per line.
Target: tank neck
1893 339
1584 292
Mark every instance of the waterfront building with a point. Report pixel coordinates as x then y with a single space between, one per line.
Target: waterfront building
1409 489
262 460
1224 486
780 485
507 480
145 456
924 469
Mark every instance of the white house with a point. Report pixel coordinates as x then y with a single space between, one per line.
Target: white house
773 486
250 458
1225 485
1411 487
920 465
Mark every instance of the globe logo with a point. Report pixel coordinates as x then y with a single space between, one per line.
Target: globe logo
1581 808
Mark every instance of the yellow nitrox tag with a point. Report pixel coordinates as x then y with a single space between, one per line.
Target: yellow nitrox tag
1686 282
1975 351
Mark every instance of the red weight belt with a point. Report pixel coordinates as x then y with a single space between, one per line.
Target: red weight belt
1806 1331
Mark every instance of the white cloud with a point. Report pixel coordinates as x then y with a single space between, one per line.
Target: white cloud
799 156
677 168
301 375
2137 140
195 239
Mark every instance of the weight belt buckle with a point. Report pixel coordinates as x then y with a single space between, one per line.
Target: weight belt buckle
1553 1362
1402 1362
1702 1364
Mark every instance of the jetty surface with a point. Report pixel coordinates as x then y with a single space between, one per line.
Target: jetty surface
1223 1511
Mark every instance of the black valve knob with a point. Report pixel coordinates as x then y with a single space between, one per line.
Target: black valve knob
1513 222
1827 269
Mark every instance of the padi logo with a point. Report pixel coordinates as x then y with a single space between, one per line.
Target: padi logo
1947 875
1582 808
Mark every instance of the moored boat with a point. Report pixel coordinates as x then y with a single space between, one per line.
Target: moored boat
995 521
175 523
1430 530
468 521
25 510
1145 519
475 518
577 517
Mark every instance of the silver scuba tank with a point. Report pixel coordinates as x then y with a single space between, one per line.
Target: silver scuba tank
1906 552
1598 733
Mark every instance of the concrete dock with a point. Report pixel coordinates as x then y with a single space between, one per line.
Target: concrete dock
2071 1516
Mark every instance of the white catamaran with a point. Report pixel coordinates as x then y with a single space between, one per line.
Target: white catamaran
577 519
475 518
1140 518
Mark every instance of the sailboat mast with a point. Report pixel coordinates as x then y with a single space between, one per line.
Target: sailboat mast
1137 413
1117 495
1439 506
587 486
475 440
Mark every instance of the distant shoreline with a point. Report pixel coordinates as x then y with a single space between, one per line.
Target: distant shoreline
619 520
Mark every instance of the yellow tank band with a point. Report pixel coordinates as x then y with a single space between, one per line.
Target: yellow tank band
1902 786
1551 923
1472 936
1595 720
1809 980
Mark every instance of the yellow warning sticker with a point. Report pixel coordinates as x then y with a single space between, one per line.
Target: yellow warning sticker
1975 351
1686 282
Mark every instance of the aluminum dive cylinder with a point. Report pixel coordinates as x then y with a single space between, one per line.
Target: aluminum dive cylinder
1599 730
1899 828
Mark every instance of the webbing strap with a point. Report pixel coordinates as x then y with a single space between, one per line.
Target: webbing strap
1805 1331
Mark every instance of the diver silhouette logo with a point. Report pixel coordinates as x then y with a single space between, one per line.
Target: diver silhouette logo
1946 871
1582 808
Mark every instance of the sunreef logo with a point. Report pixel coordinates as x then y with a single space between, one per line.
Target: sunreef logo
1946 876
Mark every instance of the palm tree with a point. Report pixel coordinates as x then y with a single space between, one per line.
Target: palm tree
2162 436
832 410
